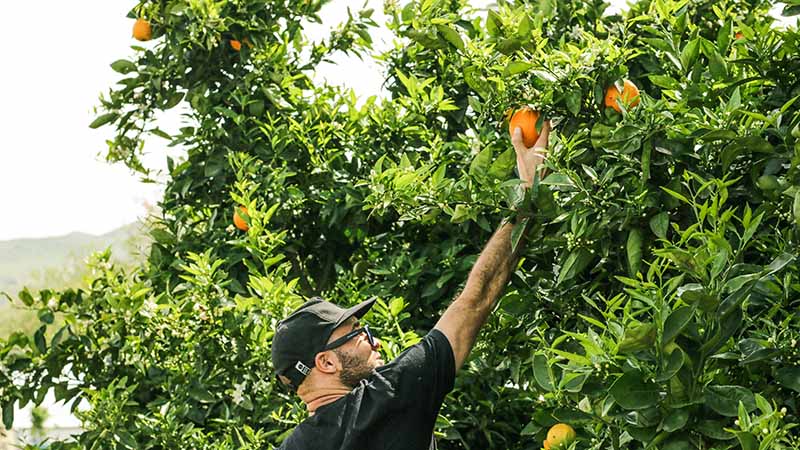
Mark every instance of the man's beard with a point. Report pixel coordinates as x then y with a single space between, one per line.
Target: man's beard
353 369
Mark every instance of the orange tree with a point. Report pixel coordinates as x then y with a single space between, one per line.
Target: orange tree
654 306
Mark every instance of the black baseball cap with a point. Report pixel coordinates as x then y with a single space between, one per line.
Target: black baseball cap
305 332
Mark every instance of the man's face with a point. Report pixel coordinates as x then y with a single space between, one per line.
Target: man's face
357 356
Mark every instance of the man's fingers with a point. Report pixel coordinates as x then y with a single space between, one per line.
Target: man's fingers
544 136
516 139
516 136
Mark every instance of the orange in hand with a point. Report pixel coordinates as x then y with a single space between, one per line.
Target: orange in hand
526 119
628 97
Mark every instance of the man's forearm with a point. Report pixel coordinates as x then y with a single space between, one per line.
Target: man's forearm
466 315
491 272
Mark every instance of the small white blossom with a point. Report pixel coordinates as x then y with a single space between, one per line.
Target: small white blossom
736 422
783 411
541 398
238 394
765 431
52 303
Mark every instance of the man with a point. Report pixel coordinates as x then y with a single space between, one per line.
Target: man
355 401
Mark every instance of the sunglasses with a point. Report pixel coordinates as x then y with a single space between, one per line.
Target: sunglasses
343 340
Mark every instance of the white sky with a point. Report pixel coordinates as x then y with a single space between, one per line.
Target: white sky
56 57
55 63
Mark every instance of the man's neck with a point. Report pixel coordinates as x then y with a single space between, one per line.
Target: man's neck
324 396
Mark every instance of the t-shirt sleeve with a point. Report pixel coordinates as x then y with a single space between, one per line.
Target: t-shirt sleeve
424 373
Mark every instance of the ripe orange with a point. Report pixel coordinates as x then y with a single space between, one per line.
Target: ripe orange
236 45
526 119
739 35
142 31
560 436
628 97
239 220
546 445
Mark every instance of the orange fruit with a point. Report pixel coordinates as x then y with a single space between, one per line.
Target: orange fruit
628 97
526 119
546 445
239 220
236 45
142 31
560 436
739 35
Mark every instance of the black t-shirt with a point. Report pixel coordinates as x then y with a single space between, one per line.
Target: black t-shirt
394 409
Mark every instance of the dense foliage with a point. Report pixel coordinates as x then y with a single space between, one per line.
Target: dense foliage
655 303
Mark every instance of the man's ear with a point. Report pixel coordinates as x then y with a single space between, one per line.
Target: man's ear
326 362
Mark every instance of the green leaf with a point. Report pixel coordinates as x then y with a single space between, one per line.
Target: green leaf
690 53
509 46
789 377
717 66
503 165
714 429
46 316
518 232
751 229
493 24
475 80
123 66
634 251
725 399
176 98
664 81
8 415
451 35
640 337
524 29
659 224
480 164
573 382
126 439
734 300
460 214
747 440
573 100
576 261
396 305
675 323
515 67
541 372
778 264
676 195
558 179
26 297
630 391
724 37
201 395
39 340
674 364
675 420
104 119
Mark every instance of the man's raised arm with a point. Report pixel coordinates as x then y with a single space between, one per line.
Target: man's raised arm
464 317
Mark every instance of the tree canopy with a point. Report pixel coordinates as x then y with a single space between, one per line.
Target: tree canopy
655 303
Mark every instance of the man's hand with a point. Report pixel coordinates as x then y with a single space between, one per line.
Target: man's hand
530 159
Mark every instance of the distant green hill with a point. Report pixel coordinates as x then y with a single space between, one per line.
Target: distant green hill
60 260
